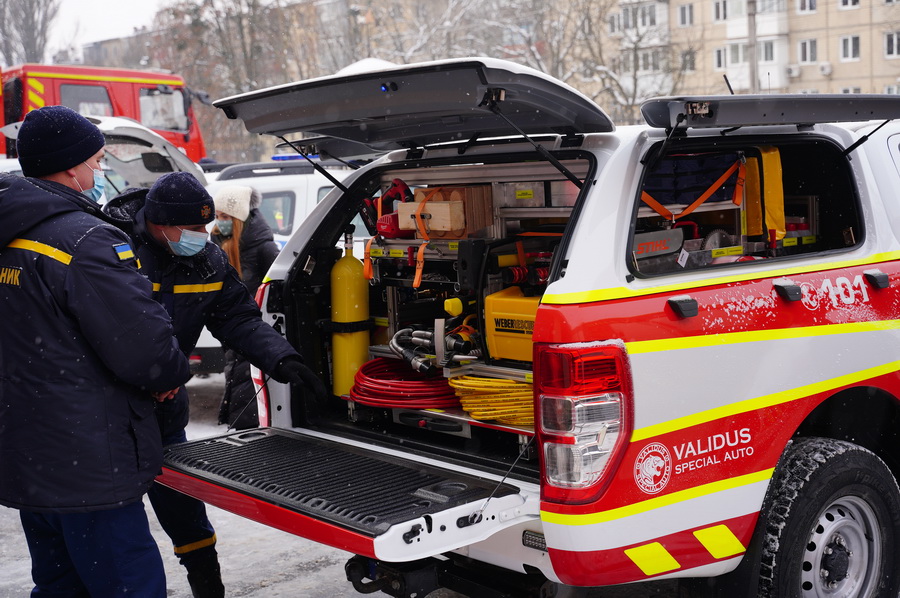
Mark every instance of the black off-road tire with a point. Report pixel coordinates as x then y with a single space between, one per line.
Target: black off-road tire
832 524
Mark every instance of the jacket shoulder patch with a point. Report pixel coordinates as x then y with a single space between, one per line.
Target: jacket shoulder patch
124 251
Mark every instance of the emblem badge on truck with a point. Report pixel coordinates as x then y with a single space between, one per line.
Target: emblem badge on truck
653 468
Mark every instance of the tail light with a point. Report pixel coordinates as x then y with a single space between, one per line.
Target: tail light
584 415
260 296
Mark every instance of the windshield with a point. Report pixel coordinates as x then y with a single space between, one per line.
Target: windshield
163 109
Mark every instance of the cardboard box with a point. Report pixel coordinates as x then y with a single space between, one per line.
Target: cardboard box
473 203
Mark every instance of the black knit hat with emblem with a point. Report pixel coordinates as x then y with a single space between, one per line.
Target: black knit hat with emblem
178 198
55 138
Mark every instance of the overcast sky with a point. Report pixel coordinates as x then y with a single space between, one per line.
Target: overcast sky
84 21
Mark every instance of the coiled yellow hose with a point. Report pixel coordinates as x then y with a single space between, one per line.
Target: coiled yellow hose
504 401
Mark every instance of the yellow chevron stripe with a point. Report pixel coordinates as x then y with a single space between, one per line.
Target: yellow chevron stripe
41 248
758 403
101 77
751 274
658 501
720 541
652 558
35 100
36 85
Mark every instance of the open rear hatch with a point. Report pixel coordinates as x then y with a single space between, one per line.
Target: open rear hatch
421 104
376 504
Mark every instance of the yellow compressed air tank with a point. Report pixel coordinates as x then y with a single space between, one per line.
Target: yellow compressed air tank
349 314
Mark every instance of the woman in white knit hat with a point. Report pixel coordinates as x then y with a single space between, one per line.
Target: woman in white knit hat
245 237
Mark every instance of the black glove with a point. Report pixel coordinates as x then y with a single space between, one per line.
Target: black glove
293 370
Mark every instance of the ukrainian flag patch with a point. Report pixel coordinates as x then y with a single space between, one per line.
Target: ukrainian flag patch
124 251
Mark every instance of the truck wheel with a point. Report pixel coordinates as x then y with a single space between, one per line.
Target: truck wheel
832 524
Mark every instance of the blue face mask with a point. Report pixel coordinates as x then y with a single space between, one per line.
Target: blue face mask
190 243
95 193
225 227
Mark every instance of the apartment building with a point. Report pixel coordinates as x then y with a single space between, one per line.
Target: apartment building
802 46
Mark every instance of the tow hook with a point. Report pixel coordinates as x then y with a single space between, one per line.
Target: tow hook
357 570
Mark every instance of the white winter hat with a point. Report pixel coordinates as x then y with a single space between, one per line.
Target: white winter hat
234 200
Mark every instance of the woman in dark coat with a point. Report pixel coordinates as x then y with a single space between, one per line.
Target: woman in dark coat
245 237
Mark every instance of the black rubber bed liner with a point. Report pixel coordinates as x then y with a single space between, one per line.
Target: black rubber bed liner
348 486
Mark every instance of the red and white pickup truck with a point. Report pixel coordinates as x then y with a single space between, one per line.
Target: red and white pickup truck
578 355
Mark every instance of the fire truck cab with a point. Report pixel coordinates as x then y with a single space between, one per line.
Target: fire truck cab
159 101
576 355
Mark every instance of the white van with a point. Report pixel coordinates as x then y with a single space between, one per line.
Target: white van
290 189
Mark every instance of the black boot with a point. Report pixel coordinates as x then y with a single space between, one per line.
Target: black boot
204 575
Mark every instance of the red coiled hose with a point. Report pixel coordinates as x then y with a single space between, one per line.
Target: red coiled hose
390 383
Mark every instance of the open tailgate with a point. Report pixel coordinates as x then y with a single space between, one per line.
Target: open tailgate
380 505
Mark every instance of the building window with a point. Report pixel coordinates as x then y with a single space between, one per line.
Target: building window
892 89
720 10
685 15
613 23
847 4
849 48
737 53
892 44
807 52
767 51
769 6
688 61
851 90
719 59
648 15
806 6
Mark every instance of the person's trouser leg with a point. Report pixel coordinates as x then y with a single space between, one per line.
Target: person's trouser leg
108 553
184 520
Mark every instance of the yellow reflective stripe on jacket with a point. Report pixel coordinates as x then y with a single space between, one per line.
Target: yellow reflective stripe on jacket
51 252
192 288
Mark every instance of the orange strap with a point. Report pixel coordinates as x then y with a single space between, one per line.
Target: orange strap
738 197
420 264
662 211
367 260
520 253
420 222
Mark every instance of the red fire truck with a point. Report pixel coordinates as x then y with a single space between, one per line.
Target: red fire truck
159 101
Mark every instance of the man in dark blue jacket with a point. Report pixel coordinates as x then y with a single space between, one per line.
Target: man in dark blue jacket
192 279
83 350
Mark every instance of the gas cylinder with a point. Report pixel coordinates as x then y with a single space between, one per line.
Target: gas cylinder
349 314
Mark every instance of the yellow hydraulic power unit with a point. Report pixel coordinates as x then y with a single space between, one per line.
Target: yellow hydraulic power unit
509 323
349 317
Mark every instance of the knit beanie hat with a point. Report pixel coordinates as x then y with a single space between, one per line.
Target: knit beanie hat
178 198
234 200
55 138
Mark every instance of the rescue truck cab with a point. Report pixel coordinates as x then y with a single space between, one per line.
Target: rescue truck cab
578 355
